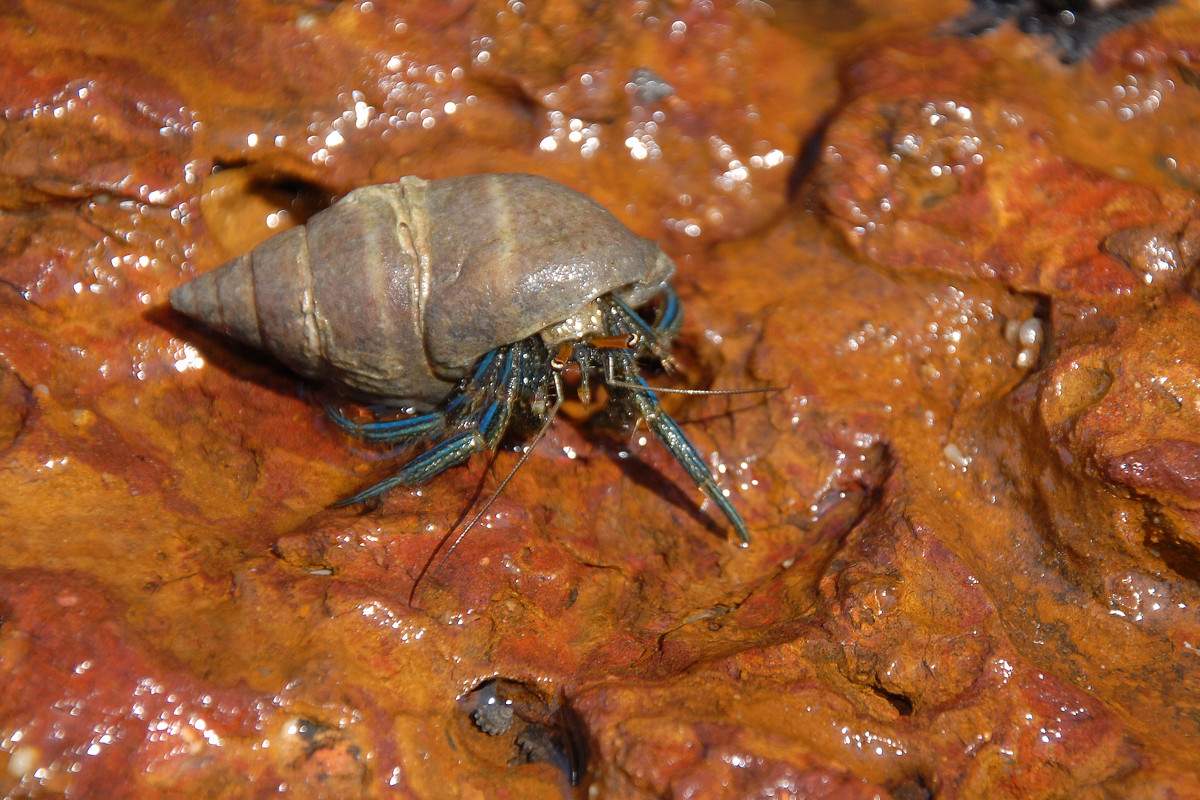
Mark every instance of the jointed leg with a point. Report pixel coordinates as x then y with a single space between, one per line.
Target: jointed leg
389 431
425 426
669 433
620 318
481 421
670 315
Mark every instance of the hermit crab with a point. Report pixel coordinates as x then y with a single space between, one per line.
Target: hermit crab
462 302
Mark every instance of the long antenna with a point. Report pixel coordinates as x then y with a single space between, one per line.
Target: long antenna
491 498
637 387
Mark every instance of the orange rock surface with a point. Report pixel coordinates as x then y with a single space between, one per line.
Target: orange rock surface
975 499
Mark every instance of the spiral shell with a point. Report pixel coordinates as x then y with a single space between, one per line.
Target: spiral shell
395 291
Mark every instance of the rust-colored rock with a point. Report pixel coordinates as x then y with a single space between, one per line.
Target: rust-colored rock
969 267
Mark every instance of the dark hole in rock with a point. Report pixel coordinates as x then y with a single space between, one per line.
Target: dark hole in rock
809 156
16 406
914 789
900 702
1165 540
299 197
529 726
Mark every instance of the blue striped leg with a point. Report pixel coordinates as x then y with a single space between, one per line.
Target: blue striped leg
479 432
390 431
620 318
424 426
676 442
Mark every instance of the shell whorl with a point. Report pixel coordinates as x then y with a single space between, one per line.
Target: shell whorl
514 254
338 299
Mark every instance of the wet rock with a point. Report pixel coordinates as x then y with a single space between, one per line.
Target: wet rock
972 493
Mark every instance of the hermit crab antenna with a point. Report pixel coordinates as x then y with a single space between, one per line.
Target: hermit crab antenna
558 396
666 390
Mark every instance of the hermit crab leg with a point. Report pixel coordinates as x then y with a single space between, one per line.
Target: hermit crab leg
667 319
670 314
410 429
390 431
625 319
623 372
481 432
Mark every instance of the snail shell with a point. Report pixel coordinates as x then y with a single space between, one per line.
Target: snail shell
396 290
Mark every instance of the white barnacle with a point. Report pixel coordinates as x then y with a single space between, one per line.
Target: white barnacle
957 458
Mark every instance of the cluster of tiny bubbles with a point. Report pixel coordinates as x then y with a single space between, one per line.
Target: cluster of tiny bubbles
1139 598
641 140
1162 258
563 131
415 98
481 49
741 760
869 332
172 723
136 237
1132 97
736 174
1068 715
78 93
948 151
688 226
176 721
735 177
955 315
181 121
1027 335
647 86
68 99
947 111
378 613
29 767
146 356
869 742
